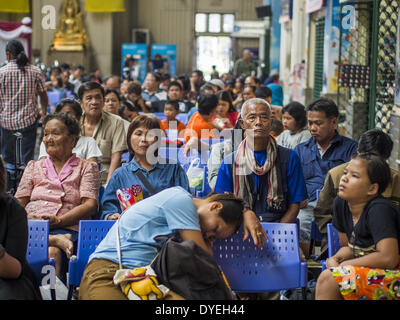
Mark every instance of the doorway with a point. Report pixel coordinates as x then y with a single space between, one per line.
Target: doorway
213 50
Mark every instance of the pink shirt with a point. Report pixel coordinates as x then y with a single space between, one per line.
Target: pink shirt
56 194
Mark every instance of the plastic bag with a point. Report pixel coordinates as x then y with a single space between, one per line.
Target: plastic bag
195 174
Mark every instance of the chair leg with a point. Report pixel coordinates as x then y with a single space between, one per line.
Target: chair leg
304 293
70 292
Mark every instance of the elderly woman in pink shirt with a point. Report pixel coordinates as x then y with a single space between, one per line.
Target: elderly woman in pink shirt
61 188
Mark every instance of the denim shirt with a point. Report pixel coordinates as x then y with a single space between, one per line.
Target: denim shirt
160 177
315 167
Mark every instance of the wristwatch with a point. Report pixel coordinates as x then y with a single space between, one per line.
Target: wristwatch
2 251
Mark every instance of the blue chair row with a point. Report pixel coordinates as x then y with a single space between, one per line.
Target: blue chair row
91 233
54 96
276 266
182 117
37 253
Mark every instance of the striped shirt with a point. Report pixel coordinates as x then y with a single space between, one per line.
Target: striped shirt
18 95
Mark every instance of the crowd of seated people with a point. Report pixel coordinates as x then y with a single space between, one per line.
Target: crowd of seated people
274 158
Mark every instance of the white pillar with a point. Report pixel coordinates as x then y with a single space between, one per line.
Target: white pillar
299 20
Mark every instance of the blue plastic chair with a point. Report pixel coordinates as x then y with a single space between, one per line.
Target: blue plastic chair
333 240
277 266
182 117
125 157
54 97
91 233
160 115
206 189
37 253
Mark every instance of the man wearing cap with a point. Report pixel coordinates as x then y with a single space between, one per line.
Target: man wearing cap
244 67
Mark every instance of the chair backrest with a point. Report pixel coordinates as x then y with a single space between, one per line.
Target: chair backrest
37 253
125 157
276 266
333 240
160 115
91 233
54 97
182 117
315 233
205 189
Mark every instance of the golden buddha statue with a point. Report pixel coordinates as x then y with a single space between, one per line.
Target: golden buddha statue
70 34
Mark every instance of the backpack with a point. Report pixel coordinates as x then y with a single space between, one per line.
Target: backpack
190 271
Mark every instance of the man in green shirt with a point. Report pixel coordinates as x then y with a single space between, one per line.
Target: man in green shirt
245 66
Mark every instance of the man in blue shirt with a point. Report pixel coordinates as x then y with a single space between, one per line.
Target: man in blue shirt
325 150
268 177
152 91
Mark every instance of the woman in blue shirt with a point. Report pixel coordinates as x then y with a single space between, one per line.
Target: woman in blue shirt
142 145
144 228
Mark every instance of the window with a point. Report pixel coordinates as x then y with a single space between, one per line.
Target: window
213 50
214 23
213 42
229 21
201 22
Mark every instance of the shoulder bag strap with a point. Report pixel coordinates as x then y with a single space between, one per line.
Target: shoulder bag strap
145 182
118 245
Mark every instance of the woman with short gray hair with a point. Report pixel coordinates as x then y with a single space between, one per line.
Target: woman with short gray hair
61 188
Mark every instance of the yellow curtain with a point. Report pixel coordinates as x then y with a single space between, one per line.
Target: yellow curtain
105 5
20 6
